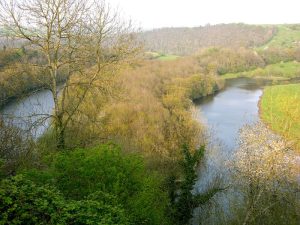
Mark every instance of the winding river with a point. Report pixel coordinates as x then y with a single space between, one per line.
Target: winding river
223 113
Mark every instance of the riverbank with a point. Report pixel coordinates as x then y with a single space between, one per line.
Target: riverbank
22 72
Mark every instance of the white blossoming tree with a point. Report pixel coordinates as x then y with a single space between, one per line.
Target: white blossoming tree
265 172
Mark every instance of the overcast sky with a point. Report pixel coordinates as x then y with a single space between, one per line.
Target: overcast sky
149 14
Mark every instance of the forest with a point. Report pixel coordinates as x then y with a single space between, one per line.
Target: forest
192 39
127 137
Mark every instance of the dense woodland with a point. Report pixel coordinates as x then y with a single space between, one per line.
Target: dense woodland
123 145
166 40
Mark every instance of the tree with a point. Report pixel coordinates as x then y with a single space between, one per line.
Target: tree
103 171
184 201
15 148
81 39
265 170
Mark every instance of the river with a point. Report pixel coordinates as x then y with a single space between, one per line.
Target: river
223 113
31 112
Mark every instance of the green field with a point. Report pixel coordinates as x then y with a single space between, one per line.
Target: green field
284 70
161 57
288 36
167 57
280 108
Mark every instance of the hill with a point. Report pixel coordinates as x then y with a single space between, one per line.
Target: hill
288 36
184 41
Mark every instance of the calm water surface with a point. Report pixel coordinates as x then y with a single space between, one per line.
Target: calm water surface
227 111
31 112
225 114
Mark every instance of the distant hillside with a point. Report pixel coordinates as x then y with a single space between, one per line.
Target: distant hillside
184 41
288 36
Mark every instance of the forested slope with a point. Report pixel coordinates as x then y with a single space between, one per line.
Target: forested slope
184 41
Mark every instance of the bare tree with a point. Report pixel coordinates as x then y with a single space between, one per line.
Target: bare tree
84 40
16 148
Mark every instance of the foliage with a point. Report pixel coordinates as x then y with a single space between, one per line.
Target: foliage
83 173
277 55
19 75
184 201
24 202
152 113
9 56
285 70
280 108
226 60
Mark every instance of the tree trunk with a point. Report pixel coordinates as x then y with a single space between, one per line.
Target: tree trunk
60 139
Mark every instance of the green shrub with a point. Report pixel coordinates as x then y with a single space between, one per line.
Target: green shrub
82 173
24 202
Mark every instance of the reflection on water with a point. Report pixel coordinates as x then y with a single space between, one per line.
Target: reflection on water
31 112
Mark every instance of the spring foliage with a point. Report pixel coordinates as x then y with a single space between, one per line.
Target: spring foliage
104 174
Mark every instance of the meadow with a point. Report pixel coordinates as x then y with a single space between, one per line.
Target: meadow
160 56
280 108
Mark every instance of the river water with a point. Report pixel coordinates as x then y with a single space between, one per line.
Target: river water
227 111
31 112
224 114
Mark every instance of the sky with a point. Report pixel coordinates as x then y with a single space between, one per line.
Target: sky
149 14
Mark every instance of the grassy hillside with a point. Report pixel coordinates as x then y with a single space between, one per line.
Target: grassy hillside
280 108
287 36
275 71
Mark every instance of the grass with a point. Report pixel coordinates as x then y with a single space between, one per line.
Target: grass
161 57
167 57
280 108
288 36
283 70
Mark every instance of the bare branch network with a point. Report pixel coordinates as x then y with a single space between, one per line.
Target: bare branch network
86 41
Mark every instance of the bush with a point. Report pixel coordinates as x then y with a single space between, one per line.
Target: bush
83 173
24 202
